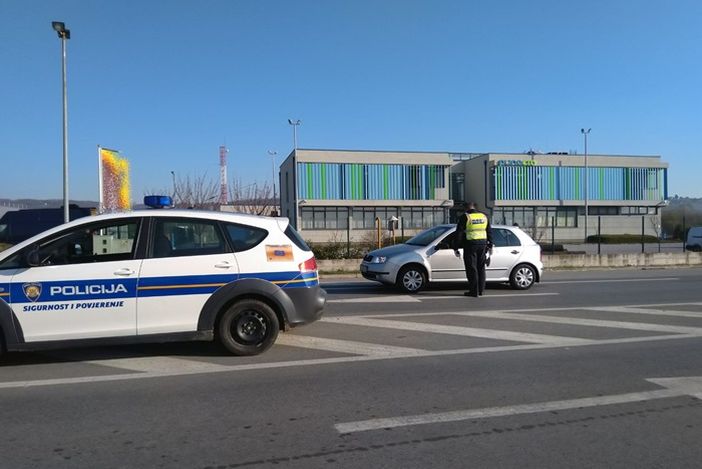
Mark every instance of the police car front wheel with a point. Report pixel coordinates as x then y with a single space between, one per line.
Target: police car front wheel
248 327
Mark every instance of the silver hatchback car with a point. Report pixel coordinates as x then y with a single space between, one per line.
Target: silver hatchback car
429 257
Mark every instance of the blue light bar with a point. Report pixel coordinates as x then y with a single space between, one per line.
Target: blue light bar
158 201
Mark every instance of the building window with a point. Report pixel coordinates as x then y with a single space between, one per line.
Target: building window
324 218
541 217
603 210
336 218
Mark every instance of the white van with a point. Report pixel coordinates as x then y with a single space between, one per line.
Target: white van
694 239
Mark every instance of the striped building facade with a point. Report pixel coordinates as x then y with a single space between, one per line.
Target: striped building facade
546 194
341 195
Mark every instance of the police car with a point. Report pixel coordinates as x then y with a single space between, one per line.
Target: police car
157 275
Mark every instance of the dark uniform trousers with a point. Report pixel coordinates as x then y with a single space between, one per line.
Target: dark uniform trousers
474 261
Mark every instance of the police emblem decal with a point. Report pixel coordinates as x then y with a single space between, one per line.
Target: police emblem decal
32 291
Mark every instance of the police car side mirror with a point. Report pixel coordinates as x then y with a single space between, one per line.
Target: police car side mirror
32 258
443 245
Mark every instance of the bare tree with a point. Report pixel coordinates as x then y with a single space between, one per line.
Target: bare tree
198 191
253 198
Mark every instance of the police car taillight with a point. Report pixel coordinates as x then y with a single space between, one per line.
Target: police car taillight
158 201
310 265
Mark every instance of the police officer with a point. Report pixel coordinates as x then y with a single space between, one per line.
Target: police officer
473 235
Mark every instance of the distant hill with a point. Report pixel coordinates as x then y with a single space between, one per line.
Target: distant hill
43 203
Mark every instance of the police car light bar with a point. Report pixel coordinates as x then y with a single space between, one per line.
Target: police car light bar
158 201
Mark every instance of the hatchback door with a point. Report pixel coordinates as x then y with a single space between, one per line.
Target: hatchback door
506 252
84 286
445 265
188 259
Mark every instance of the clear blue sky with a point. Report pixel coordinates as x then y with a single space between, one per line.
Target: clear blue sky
167 82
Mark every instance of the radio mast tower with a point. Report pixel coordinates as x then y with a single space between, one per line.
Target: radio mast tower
223 192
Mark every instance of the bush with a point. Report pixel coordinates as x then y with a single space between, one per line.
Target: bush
547 247
621 239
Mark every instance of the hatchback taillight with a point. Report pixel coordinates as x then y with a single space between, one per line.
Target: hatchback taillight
310 265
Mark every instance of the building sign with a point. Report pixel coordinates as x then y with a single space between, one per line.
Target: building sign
516 163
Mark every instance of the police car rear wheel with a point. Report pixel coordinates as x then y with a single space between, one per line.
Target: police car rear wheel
248 327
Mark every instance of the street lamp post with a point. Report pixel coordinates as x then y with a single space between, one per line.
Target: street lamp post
273 155
295 124
175 191
585 134
64 34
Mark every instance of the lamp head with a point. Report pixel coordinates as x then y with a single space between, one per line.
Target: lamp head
60 28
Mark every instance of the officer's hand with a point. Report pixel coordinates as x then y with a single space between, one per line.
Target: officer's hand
458 254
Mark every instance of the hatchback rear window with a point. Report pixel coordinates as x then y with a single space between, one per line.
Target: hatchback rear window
244 237
295 237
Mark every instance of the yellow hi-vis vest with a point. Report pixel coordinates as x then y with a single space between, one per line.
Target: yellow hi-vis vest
476 226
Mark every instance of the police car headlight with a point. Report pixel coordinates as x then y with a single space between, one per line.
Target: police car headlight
379 260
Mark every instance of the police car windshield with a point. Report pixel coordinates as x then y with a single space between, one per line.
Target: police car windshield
428 236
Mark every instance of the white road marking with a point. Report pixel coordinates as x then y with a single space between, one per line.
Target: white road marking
344 346
177 367
614 280
157 364
378 299
523 310
326 361
676 387
655 312
457 330
419 298
488 294
637 326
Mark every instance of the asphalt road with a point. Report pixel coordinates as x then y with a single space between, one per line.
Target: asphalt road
587 369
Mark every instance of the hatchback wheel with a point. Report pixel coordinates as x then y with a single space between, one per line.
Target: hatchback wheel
248 327
522 277
412 279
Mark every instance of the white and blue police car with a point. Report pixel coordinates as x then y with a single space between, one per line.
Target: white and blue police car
158 275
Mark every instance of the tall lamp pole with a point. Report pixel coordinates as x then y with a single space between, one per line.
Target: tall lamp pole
295 124
64 34
175 191
273 155
585 133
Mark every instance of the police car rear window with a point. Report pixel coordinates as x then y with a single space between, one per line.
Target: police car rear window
245 237
187 237
295 237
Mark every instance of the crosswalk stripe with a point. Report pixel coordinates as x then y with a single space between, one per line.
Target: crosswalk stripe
344 346
651 311
378 299
638 326
325 361
458 330
157 364
419 298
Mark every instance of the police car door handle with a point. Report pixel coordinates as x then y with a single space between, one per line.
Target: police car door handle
124 272
224 265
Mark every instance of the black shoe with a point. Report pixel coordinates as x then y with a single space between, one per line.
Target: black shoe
470 294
